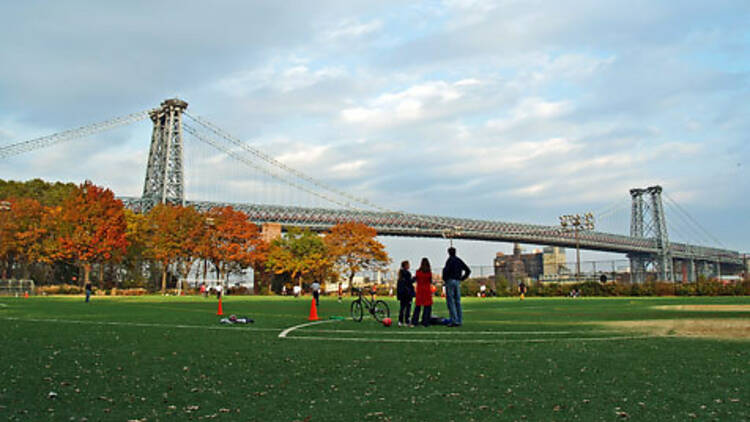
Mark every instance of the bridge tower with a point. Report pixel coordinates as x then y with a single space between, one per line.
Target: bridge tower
165 181
655 229
637 261
664 258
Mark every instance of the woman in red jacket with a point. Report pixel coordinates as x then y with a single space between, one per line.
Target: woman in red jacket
424 293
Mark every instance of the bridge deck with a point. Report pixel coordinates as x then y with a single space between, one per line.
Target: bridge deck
416 225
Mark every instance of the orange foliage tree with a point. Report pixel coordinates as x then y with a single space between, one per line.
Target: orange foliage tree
89 227
21 233
233 242
354 248
173 233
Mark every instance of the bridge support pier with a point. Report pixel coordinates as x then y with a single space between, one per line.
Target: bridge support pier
637 268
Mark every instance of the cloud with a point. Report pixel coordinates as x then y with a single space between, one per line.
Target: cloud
490 109
352 28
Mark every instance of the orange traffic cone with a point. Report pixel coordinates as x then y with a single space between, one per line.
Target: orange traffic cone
313 312
25 295
220 311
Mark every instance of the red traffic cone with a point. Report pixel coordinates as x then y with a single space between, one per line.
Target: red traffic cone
313 312
220 311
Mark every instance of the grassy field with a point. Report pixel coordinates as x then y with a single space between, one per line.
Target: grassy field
167 358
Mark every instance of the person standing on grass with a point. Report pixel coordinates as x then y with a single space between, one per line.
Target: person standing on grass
424 294
404 293
88 289
454 272
219 289
341 292
316 292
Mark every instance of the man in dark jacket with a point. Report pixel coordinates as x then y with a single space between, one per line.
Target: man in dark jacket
454 272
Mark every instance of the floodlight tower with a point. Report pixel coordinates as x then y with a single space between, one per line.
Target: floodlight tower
576 223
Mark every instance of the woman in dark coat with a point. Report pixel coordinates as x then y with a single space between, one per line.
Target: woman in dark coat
404 293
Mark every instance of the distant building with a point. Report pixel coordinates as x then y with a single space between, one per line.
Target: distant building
545 264
519 266
553 259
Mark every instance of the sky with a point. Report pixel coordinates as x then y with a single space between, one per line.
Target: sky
504 110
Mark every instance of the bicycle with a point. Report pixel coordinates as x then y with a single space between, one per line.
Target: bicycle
377 308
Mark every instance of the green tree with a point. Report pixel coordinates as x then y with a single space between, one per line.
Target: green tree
298 253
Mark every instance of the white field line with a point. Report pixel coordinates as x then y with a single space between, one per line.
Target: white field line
137 324
290 329
479 341
420 331
2 305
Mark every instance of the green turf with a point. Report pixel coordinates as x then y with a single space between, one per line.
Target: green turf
167 358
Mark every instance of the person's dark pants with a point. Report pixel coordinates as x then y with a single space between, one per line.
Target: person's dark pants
404 311
426 315
316 295
88 294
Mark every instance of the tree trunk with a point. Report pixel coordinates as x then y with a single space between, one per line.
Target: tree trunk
86 273
351 284
164 279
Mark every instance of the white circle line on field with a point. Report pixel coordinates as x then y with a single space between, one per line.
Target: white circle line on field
284 333
2 305
477 341
137 324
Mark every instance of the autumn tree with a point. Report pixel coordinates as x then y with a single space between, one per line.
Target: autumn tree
298 253
21 232
89 226
174 233
353 247
234 242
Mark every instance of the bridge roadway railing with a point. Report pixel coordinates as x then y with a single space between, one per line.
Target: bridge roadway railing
416 225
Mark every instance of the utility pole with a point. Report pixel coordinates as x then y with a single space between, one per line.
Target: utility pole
576 223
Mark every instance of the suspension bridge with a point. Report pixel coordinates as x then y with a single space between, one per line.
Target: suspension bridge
648 244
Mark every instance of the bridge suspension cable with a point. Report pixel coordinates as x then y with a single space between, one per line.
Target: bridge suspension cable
203 138
80 132
276 163
681 210
348 199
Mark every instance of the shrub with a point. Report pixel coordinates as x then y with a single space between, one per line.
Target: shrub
129 292
60 289
239 290
470 287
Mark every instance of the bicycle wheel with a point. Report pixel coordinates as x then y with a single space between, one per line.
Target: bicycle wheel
380 311
356 310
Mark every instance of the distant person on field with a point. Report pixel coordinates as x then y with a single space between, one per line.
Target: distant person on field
219 290
454 272
424 294
88 289
522 289
404 293
296 290
203 289
341 292
316 292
